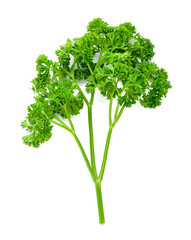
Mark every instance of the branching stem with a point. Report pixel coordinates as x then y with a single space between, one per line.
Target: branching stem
60 125
92 167
61 122
111 126
72 131
84 155
119 115
69 118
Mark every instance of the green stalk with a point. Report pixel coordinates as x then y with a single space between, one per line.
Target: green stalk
79 145
61 122
93 164
108 139
116 110
60 125
69 119
119 115
91 137
100 202
90 69
84 156
110 111
72 131
105 153
111 126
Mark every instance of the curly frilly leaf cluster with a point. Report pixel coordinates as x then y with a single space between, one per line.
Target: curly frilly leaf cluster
115 60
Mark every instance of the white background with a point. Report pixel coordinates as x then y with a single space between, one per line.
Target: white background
47 193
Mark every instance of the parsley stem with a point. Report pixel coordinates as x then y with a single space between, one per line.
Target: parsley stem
105 153
110 111
91 137
80 90
116 110
90 69
92 98
119 115
111 126
100 202
80 147
69 118
84 155
108 139
72 131
61 122
60 125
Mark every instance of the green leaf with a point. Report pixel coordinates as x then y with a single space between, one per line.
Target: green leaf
43 66
38 126
158 84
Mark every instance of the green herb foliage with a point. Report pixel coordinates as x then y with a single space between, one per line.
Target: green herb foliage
116 61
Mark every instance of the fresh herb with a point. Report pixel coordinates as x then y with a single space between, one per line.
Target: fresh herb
116 61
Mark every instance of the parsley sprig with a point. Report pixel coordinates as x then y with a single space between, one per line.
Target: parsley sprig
116 61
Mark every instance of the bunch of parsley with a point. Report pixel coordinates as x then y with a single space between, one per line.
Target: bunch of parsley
123 72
